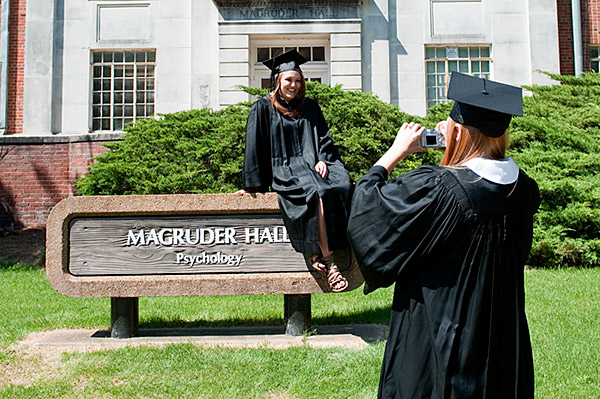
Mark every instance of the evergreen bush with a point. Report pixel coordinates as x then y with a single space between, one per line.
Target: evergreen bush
557 143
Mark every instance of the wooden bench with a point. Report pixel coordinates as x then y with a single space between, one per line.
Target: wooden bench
126 247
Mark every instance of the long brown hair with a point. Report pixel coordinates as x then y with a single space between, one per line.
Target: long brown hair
472 144
295 106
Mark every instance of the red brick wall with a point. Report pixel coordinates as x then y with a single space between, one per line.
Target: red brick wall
37 175
590 34
594 21
16 67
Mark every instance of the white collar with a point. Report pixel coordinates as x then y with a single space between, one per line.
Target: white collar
504 171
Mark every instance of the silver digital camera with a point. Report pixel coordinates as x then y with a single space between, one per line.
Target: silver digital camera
432 138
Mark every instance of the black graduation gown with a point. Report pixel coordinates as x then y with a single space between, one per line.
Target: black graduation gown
455 245
282 152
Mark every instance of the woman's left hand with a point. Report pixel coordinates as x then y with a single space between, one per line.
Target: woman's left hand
321 169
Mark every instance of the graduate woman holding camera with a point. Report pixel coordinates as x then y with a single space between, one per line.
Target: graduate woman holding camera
454 239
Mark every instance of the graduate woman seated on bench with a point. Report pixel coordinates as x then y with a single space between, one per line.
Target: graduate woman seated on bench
288 147
454 239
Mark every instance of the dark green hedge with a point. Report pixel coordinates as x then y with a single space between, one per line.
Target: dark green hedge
557 142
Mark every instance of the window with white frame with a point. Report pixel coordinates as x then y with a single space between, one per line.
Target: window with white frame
123 87
441 61
595 58
315 50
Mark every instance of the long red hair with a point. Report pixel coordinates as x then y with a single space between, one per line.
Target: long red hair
472 144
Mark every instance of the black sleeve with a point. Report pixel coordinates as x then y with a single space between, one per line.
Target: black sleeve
392 223
257 156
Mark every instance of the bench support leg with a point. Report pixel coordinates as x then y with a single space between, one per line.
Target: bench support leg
297 314
124 320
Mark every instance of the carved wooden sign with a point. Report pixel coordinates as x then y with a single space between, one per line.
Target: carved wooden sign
172 245
181 245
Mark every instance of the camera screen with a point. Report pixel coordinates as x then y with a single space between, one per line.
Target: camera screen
431 140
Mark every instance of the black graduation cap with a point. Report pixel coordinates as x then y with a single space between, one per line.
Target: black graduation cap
288 61
484 104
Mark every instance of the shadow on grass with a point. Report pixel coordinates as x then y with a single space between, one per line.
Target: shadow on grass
18 266
371 316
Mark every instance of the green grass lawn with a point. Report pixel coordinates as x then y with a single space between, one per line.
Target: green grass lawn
563 309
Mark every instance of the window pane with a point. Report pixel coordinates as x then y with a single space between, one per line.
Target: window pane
305 52
485 52
289 49
485 66
441 66
452 66
474 52
430 67
114 88
318 53
463 52
262 54
441 80
475 67
429 52
275 51
440 52
430 80
594 52
463 66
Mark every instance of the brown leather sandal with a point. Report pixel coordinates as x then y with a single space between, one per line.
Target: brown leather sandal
337 282
318 264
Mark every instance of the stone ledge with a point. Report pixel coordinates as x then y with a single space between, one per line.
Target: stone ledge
60 139
57 250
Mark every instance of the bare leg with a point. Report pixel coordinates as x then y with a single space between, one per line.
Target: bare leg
323 232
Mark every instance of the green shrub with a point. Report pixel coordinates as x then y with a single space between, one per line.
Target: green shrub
557 143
